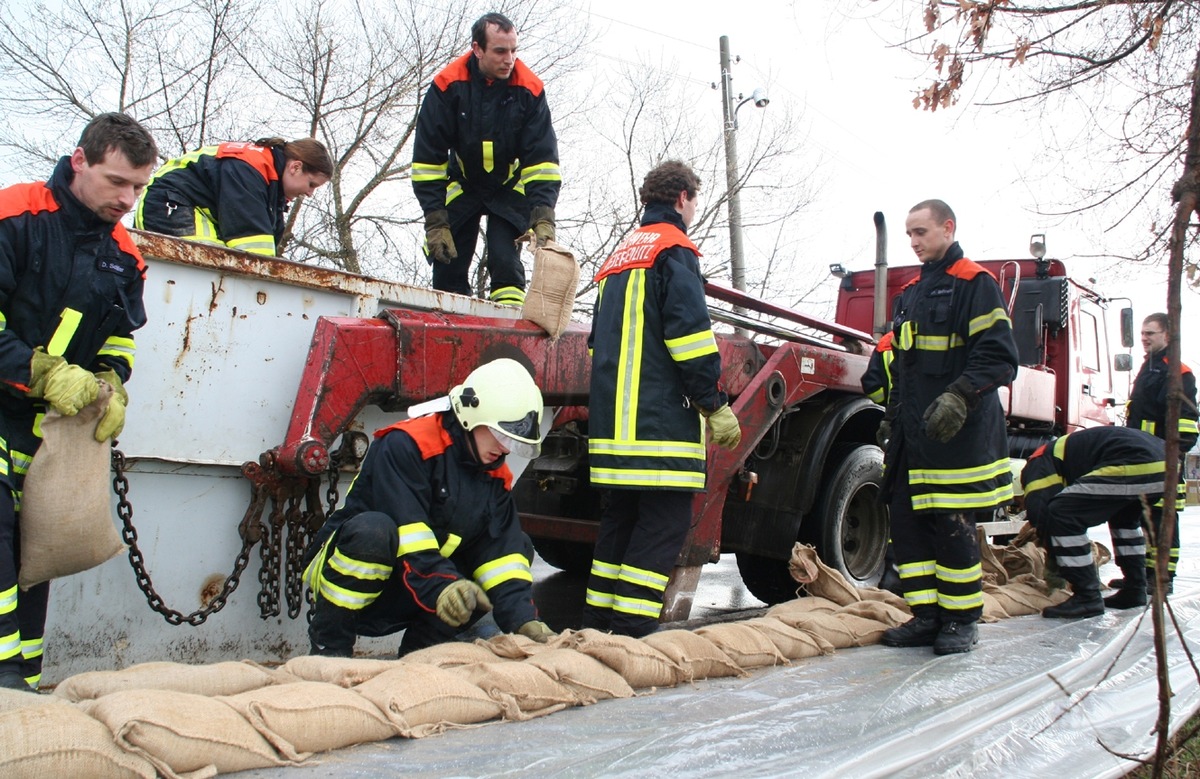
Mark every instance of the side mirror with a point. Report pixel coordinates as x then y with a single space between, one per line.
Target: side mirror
1127 329
1123 362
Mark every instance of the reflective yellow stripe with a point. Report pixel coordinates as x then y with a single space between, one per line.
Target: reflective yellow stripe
960 602
629 379
32 648
489 162
689 347
939 343
643 577
1149 427
357 569
687 480
513 567
908 336
416 537
543 171
912 570
255 244
637 606
346 599
1188 426
921 597
8 600
962 502
1043 483
607 446
960 575
424 171
877 396
121 347
452 542
508 296
1140 469
68 323
453 190
984 321
10 645
605 570
601 600
958 475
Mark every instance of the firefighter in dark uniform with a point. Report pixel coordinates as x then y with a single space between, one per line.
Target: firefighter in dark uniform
1147 411
877 384
1081 480
71 283
428 539
485 144
947 460
655 378
233 194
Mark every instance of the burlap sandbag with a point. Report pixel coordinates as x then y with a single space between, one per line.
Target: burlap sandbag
43 737
698 656
422 700
840 630
638 663
524 690
513 646
878 611
792 643
747 647
453 653
66 510
818 578
1026 594
342 671
228 678
306 717
883 596
182 733
551 294
586 677
789 610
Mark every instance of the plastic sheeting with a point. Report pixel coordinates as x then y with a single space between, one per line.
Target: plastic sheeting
1037 697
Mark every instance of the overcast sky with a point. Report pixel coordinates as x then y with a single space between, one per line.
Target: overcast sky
832 62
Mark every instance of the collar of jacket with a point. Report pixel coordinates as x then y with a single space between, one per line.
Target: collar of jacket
658 212
77 213
952 255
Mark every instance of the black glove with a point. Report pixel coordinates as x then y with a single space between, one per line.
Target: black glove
884 432
541 222
948 411
439 242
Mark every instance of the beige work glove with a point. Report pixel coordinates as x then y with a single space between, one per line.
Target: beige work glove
460 600
439 241
113 421
726 432
66 387
538 631
541 222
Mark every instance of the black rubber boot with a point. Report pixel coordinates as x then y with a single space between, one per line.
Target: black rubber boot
918 631
331 632
1132 592
955 638
11 678
1084 603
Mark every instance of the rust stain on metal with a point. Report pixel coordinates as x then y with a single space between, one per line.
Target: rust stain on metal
217 289
211 588
187 337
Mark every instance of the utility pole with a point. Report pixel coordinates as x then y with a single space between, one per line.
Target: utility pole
737 262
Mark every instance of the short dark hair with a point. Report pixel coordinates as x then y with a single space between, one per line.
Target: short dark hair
664 183
940 210
117 131
479 29
1159 319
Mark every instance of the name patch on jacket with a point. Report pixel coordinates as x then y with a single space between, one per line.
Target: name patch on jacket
641 248
113 265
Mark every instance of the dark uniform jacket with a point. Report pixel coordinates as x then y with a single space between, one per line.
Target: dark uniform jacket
237 186
481 141
654 361
1148 401
877 379
951 326
1105 463
69 281
456 518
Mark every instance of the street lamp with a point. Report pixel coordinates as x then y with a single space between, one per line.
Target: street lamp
737 263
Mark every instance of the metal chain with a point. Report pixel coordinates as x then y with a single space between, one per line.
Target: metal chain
138 561
270 554
331 493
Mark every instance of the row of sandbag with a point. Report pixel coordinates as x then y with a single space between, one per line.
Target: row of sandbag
197 721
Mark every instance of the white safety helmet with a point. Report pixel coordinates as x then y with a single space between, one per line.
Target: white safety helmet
502 395
1016 465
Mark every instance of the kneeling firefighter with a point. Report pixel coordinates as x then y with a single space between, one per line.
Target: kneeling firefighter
428 539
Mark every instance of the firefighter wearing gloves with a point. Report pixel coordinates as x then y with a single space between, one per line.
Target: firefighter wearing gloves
947 459
485 144
428 540
1081 480
1147 411
234 194
654 388
71 283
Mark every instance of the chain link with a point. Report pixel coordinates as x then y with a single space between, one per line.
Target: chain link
138 561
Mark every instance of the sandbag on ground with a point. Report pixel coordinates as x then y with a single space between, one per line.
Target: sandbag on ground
792 643
342 671
588 678
227 678
421 700
747 647
42 736
183 734
524 690
306 717
639 663
698 656
452 654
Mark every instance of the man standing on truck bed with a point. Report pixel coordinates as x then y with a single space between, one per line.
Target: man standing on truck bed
655 378
70 298
429 536
485 145
947 460
1148 412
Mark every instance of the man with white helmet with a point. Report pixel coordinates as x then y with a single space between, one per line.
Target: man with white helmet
428 539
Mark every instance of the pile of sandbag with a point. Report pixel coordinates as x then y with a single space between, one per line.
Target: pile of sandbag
177 720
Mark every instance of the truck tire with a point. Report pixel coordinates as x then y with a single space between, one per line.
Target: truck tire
848 526
570 556
854 532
